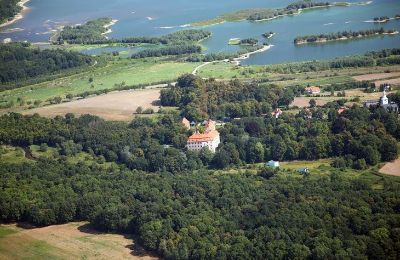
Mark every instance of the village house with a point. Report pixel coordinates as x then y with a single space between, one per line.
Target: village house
312 90
210 138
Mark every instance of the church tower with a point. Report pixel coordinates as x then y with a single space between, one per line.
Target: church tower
384 100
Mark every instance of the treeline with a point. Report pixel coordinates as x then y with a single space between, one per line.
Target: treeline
370 59
169 50
19 62
90 32
248 41
381 19
206 215
8 9
179 37
341 35
264 14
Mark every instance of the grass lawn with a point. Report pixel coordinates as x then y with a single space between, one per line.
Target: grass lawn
67 241
127 71
12 155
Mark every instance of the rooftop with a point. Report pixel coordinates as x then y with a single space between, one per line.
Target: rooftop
203 137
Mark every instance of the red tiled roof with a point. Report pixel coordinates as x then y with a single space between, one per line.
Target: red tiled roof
208 136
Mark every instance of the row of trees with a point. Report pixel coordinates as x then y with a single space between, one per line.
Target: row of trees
20 61
370 59
169 50
340 35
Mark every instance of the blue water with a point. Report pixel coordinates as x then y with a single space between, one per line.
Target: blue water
158 17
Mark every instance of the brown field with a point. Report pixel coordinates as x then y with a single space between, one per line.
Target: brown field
376 76
388 81
304 101
118 105
68 241
391 168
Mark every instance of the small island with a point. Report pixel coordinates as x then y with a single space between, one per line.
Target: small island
345 35
268 35
247 41
382 19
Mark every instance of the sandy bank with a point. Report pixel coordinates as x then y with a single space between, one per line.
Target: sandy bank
18 16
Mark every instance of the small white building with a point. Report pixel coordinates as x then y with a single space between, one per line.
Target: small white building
273 164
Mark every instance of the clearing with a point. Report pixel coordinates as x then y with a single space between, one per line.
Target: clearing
391 168
119 105
69 241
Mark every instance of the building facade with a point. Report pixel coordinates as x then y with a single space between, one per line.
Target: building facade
210 138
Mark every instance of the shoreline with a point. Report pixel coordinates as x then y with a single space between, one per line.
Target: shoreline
248 54
235 61
108 27
19 15
324 40
220 19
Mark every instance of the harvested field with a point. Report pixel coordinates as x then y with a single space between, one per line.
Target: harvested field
304 101
391 168
118 105
388 81
376 76
68 241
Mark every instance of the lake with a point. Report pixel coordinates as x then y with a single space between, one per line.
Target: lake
158 17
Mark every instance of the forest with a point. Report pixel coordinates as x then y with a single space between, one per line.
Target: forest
20 61
341 35
90 32
179 207
8 9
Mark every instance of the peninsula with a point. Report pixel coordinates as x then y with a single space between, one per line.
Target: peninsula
266 14
345 35
12 11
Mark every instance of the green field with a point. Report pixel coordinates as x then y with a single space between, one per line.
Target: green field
115 73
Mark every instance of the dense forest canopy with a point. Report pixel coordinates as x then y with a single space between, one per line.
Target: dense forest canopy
184 213
8 9
20 61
